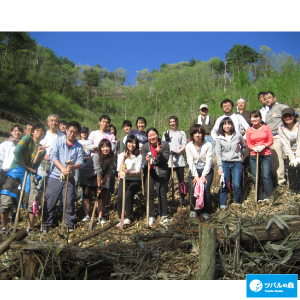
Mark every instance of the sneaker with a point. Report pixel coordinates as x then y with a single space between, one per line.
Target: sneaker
223 207
205 216
3 230
30 231
86 219
70 228
151 221
45 230
164 220
101 220
193 214
127 221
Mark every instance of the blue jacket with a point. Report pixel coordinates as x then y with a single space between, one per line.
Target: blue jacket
59 150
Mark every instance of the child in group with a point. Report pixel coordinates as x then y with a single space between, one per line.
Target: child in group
87 144
229 151
177 141
95 176
132 160
127 125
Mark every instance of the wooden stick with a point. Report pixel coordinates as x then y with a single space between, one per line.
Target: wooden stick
20 202
43 200
172 178
65 206
94 211
256 182
148 190
142 175
20 235
123 202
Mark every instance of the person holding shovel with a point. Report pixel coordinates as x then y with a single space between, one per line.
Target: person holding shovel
177 141
66 155
28 156
156 154
95 176
129 163
259 140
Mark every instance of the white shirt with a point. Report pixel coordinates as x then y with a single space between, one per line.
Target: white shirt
6 154
133 165
239 123
49 139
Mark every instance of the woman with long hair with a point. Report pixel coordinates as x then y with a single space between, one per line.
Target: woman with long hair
290 137
95 176
200 160
229 151
157 153
129 163
259 140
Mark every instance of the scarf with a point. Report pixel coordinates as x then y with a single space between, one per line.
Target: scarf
206 120
14 140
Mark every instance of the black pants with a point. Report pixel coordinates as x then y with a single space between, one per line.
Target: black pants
161 189
293 176
207 196
180 177
131 188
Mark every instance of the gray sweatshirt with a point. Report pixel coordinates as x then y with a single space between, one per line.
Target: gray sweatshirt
229 150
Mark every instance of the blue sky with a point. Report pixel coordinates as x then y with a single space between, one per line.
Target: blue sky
135 51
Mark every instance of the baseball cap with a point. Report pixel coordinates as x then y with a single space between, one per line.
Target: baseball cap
288 110
203 106
84 129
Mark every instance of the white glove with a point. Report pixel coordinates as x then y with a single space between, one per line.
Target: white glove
259 148
294 162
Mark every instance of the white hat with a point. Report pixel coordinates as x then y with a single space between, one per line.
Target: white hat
203 106
241 100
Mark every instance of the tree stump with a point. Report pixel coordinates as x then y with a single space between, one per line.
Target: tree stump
207 258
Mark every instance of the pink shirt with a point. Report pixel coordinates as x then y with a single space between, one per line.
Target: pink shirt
263 136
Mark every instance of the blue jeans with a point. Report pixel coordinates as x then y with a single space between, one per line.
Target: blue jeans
235 169
265 163
208 138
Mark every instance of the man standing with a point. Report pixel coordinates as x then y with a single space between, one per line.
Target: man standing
265 108
64 149
206 121
274 120
63 126
28 156
240 124
51 135
241 107
97 135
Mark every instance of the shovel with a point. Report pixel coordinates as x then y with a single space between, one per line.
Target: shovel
20 201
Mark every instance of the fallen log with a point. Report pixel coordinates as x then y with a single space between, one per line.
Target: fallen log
259 232
20 235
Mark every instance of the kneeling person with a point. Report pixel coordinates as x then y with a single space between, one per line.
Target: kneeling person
63 149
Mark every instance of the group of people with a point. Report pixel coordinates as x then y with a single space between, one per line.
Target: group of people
57 162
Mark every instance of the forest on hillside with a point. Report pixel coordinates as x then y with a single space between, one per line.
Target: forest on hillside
37 82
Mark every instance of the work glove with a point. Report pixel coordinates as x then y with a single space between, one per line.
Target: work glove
259 148
294 162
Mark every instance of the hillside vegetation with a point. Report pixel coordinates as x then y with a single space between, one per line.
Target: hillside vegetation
35 82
